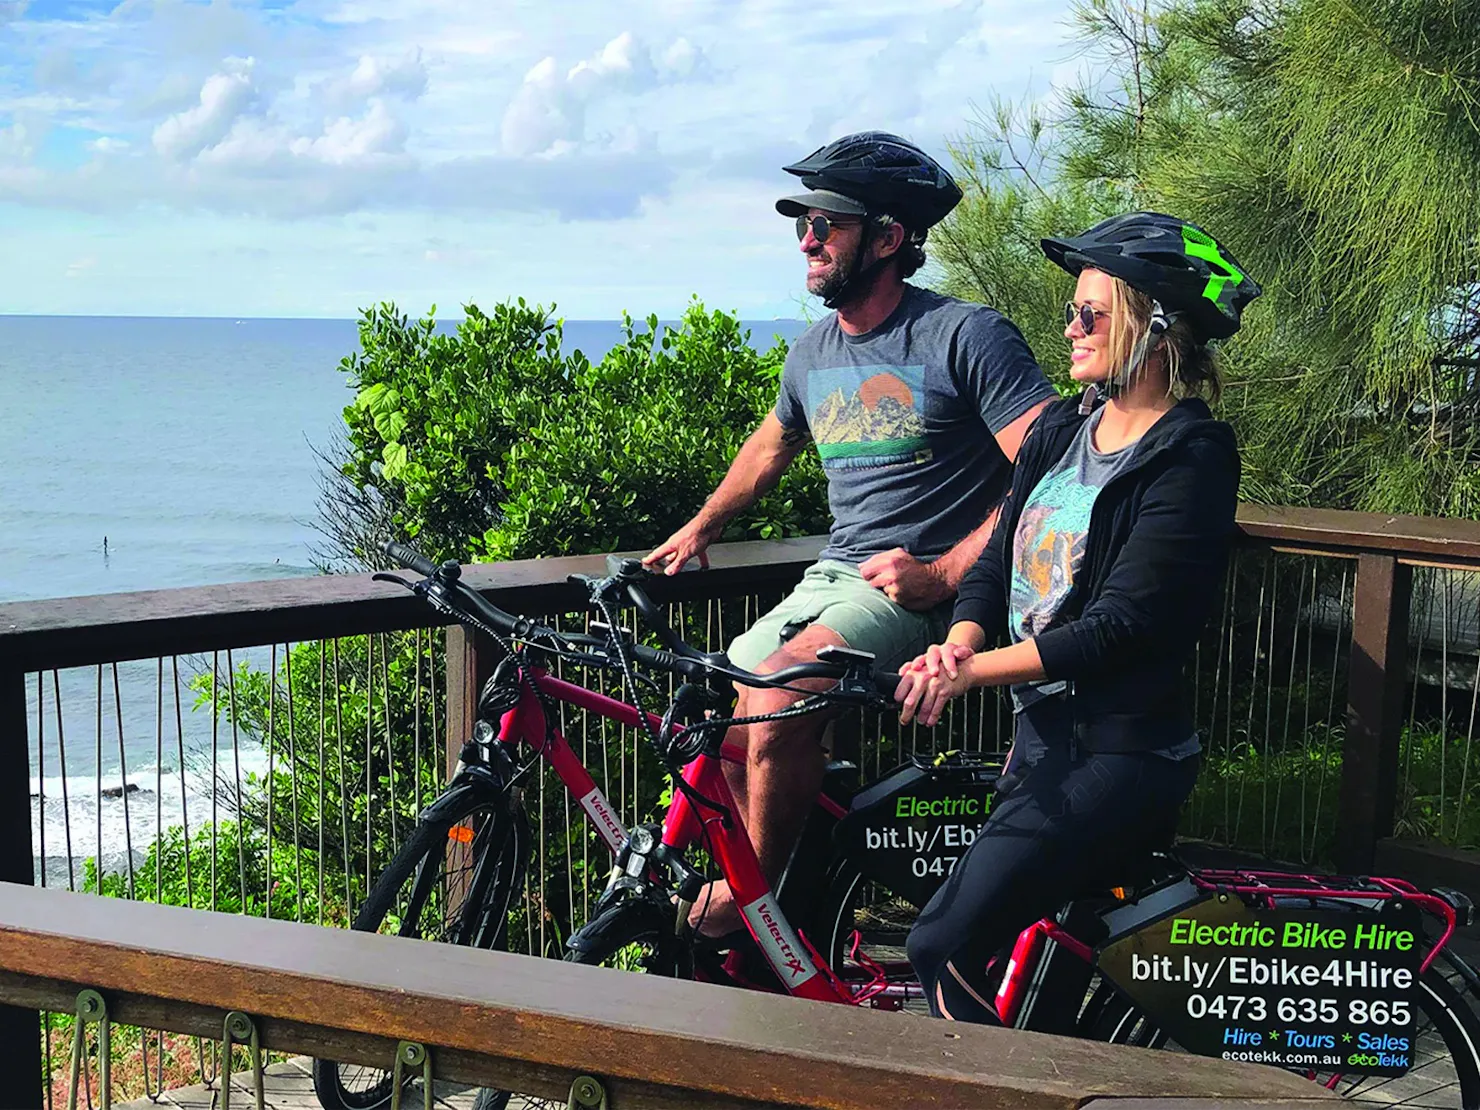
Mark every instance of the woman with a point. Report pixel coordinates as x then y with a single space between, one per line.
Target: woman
1106 560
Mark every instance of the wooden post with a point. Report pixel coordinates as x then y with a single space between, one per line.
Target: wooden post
1376 676
470 661
20 1029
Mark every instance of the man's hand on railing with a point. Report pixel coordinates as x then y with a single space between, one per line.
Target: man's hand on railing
689 542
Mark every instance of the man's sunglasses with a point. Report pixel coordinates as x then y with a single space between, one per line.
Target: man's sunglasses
820 226
1084 314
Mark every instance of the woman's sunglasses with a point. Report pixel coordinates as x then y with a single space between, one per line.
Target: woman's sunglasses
820 226
1084 314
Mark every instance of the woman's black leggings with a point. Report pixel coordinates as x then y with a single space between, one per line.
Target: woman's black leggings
1068 826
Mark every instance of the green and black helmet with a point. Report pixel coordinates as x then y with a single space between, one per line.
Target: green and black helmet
1174 262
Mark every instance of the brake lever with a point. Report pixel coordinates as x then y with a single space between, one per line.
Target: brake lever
385 576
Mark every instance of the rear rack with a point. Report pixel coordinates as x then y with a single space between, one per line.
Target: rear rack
1291 883
1277 888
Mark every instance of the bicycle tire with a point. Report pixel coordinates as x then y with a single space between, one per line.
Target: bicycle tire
1448 1043
356 1087
665 956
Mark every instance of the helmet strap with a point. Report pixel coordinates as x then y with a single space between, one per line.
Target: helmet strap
1161 320
860 276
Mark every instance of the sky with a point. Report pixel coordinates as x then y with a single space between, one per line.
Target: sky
312 157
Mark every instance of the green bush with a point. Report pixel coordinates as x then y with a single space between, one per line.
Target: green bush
224 868
491 443
355 759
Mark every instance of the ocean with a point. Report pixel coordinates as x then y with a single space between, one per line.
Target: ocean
144 453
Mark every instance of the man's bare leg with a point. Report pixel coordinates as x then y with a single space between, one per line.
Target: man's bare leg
739 737
784 768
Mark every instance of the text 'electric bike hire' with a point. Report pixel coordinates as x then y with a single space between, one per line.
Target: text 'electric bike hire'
1173 957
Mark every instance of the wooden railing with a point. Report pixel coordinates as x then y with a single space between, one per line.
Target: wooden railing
518 1023
73 632
1385 549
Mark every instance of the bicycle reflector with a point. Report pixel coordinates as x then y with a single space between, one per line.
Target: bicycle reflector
463 834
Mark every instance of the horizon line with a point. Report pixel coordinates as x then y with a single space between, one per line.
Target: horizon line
351 319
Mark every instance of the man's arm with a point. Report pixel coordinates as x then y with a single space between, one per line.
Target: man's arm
907 581
958 560
756 469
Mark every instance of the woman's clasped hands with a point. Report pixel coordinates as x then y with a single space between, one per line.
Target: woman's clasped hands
931 680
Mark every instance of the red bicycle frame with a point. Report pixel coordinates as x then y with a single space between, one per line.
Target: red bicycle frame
800 968
796 963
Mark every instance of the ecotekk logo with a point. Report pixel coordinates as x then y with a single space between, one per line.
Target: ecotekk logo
783 948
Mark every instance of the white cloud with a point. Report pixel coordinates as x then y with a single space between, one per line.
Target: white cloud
451 115
405 76
681 59
17 143
548 113
540 114
347 140
223 97
80 266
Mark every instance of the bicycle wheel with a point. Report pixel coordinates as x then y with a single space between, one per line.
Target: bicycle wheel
644 946
1446 1071
860 929
455 880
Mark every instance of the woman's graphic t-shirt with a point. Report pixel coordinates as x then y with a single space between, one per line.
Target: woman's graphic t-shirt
1049 544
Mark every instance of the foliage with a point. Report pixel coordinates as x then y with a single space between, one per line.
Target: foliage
1329 144
225 869
354 752
1282 800
491 443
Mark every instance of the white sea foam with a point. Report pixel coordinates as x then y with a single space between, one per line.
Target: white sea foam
83 823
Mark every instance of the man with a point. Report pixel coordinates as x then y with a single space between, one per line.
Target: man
917 404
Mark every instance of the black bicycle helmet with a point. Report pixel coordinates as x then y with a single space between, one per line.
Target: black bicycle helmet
881 174
1170 260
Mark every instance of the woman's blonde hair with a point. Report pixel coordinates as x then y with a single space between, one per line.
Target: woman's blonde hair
1192 365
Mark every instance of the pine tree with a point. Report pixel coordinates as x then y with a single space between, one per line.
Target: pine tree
1333 146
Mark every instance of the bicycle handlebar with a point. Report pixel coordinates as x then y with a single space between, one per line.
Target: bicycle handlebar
410 559
676 657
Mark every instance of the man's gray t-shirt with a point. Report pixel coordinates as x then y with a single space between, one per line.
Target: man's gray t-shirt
904 419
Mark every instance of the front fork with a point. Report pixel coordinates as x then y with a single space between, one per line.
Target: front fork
475 782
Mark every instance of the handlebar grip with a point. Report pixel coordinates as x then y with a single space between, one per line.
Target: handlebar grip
655 657
886 682
409 558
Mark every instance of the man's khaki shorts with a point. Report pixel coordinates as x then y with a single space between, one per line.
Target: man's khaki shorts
835 596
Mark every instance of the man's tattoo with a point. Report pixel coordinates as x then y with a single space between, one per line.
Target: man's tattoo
795 437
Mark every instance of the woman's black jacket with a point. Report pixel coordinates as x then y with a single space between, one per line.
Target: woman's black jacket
1152 573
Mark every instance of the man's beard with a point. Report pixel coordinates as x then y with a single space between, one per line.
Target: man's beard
838 276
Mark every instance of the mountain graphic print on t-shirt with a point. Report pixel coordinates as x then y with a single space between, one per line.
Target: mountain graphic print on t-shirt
866 416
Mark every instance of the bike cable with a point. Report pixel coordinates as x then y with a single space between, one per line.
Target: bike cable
664 751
